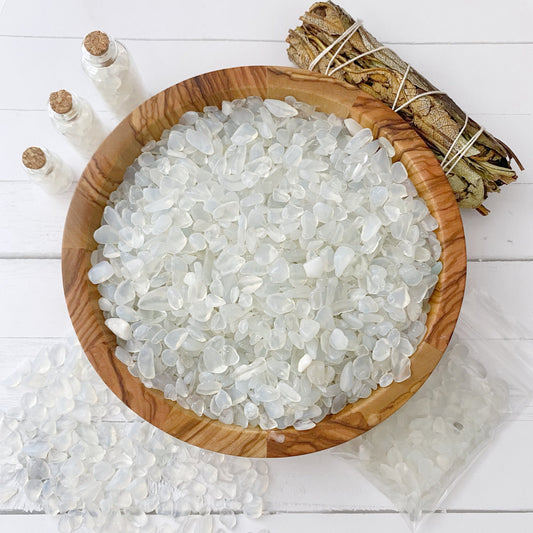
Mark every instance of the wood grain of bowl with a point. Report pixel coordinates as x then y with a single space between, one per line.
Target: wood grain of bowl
105 172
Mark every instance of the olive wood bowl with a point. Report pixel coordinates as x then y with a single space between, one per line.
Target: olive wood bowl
104 173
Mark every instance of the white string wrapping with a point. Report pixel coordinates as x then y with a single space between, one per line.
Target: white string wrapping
354 59
401 87
458 136
349 32
459 155
417 97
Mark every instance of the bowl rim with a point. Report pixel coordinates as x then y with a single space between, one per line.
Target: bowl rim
104 172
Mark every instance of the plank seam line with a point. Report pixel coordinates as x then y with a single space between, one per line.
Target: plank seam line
248 40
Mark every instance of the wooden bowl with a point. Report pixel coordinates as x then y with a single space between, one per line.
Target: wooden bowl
104 173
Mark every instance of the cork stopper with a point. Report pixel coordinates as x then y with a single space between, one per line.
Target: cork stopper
96 43
33 158
61 101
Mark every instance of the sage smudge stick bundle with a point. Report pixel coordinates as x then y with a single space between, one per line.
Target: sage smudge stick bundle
474 161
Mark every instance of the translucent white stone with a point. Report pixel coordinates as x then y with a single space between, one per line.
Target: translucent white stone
251 410
304 362
381 350
241 115
244 134
378 195
303 425
289 393
279 304
223 400
229 264
352 126
101 272
6 494
124 293
399 173
250 284
119 327
368 305
292 156
361 138
156 300
106 235
146 362
338 339
214 360
200 141
371 226
308 329
410 275
346 378
208 387
309 224
245 372
279 270
314 268
362 367
399 298
385 143
265 254
231 356
175 338
280 109
267 393
342 258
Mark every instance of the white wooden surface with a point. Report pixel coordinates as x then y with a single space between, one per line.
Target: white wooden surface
480 51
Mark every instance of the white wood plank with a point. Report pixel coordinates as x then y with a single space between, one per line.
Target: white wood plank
320 522
22 128
515 131
31 222
504 234
408 21
56 64
509 284
32 299
461 70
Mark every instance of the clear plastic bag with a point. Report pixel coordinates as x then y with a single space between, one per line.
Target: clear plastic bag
417 454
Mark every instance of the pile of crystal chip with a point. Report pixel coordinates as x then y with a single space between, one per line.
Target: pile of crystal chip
72 449
266 264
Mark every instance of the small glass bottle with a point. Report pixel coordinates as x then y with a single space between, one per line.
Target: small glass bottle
47 169
107 63
74 118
